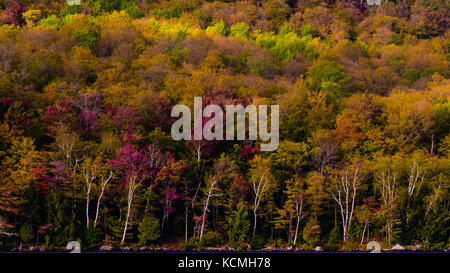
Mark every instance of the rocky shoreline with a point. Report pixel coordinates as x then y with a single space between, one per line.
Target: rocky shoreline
145 249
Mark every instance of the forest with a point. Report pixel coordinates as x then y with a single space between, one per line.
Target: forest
86 152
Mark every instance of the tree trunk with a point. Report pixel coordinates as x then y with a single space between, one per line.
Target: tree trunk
254 222
296 229
131 189
87 205
364 231
205 208
100 198
126 221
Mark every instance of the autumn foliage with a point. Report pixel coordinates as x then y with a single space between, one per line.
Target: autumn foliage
86 153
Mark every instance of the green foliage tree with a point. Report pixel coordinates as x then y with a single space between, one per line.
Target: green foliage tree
149 230
240 227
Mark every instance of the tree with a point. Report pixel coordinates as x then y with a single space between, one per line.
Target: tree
315 192
169 177
347 184
311 232
240 226
387 174
95 172
438 184
366 214
133 166
289 159
295 192
224 172
13 14
328 77
6 207
417 166
148 230
262 183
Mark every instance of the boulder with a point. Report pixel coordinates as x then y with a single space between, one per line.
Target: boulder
106 248
144 248
398 247
125 248
33 248
318 249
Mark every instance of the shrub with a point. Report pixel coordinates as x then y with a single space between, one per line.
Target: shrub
25 233
190 245
258 242
92 238
334 238
211 238
148 230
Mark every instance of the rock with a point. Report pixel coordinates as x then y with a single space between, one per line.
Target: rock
290 248
211 249
299 248
33 248
106 248
223 248
419 246
398 247
144 248
125 248
318 249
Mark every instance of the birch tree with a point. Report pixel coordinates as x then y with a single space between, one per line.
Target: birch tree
106 174
133 165
439 183
262 183
211 191
345 187
89 173
417 169
96 175
294 205
215 186
387 173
